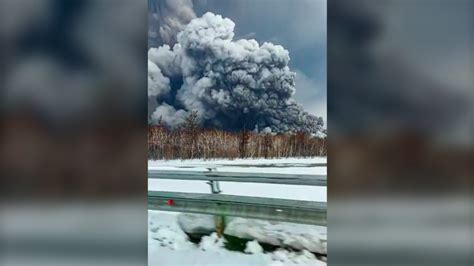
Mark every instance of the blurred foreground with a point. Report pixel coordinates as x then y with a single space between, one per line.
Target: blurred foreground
401 132
73 132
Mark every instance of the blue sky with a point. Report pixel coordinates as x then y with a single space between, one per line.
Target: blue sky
298 25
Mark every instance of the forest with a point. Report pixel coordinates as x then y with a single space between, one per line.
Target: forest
193 142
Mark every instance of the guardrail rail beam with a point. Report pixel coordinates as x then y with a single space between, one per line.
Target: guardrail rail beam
295 211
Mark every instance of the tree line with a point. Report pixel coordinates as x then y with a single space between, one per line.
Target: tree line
193 142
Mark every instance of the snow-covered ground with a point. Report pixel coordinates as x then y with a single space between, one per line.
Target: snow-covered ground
169 245
282 166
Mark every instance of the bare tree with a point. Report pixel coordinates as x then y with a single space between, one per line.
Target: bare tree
191 126
244 140
191 141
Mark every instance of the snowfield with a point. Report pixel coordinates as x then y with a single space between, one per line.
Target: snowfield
168 244
282 166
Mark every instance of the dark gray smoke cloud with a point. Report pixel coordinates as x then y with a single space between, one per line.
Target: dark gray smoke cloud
232 84
166 18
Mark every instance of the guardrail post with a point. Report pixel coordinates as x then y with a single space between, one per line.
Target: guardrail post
215 189
220 225
218 220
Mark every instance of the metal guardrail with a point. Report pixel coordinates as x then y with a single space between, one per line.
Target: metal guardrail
296 211
286 179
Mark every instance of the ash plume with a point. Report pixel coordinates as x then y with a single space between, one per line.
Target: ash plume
166 18
232 84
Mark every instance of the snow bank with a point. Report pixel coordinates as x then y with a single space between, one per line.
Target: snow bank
196 223
284 257
253 247
212 243
168 245
297 236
